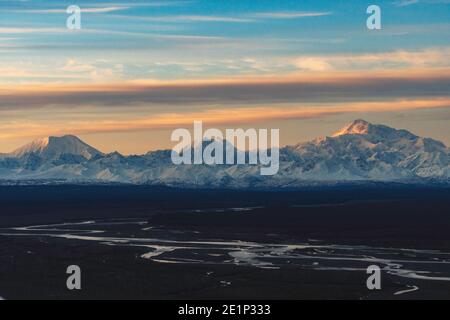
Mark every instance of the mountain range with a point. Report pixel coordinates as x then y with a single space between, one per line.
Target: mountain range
359 152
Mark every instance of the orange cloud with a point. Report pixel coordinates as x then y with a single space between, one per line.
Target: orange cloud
400 59
303 88
213 117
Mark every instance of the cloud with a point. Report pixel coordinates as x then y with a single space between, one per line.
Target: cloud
187 18
103 9
290 15
69 70
216 117
323 87
238 19
140 67
7 30
83 10
405 3
94 72
313 64
432 57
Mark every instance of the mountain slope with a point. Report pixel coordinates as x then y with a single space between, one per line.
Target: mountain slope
360 151
51 148
374 152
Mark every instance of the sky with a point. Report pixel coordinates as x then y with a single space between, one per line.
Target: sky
136 70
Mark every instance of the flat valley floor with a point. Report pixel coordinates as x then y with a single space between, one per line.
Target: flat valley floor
141 242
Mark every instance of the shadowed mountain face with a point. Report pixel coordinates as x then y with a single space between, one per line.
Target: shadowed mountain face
360 151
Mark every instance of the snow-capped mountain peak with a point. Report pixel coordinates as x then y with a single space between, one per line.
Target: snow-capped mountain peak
356 127
53 147
375 133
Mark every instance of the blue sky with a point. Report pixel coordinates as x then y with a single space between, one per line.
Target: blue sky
194 38
218 51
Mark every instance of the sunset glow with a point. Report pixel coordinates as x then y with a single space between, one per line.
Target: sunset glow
149 67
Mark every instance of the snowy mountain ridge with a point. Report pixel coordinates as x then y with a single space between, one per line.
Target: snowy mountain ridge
360 151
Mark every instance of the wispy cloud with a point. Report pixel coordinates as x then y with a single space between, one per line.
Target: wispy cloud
187 18
246 18
217 117
106 8
405 3
149 35
83 10
19 30
144 65
290 15
430 57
